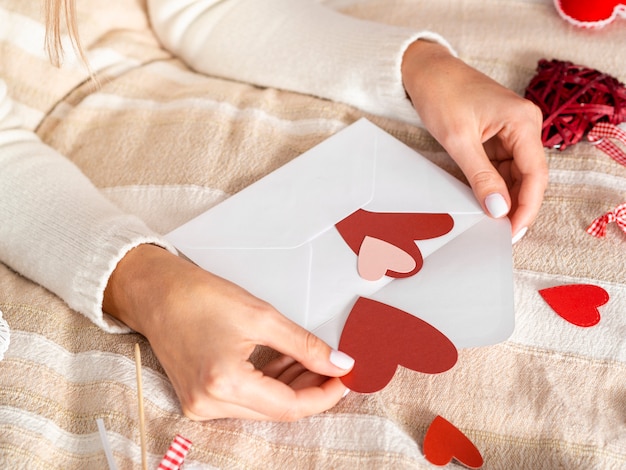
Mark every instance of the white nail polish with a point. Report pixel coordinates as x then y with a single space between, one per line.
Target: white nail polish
496 205
341 360
345 394
519 235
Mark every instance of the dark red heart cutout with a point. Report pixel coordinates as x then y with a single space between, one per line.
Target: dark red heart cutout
576 303
380 337
400 229
444 441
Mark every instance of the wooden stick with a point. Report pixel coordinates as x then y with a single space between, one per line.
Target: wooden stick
142 422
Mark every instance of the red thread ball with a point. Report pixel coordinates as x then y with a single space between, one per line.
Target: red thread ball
573 98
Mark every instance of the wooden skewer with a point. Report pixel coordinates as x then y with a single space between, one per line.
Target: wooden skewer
142 422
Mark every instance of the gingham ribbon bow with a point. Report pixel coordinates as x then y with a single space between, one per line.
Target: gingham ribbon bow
600 136
175 455
617 215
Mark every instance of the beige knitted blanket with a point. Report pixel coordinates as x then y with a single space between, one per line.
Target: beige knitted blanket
167 144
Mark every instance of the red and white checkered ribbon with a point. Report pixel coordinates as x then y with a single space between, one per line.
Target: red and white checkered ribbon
600 136
175 455
617 215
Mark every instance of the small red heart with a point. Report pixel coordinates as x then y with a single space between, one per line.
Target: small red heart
444 441
397 228
576 303
380 337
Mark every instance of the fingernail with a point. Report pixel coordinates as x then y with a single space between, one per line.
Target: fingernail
345 394
519 235
496 205
341 360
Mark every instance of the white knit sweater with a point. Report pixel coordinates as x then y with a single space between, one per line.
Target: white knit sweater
57 229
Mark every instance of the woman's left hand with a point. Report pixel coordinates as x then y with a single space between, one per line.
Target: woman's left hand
493 134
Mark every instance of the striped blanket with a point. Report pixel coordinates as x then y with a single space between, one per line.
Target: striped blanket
166 144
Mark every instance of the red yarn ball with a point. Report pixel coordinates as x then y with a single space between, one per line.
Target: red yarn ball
573 98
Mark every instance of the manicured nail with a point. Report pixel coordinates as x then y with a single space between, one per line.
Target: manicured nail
519 235
341 360
496 205
345 394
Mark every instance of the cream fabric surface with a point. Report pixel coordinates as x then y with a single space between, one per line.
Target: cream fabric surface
165 143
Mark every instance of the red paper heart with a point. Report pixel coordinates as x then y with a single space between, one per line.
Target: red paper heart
380 337
444 441
400 229
576 303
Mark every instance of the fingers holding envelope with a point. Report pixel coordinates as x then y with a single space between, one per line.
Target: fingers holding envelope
203 329
492 133
517 153
507 173
300 383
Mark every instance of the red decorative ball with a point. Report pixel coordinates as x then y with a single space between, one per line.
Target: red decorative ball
573 98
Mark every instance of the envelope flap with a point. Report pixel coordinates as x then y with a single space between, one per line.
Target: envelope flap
407 183
334 178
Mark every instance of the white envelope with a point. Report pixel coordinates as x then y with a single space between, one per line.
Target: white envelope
277 239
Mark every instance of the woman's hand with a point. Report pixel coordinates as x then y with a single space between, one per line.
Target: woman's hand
203 330
492 133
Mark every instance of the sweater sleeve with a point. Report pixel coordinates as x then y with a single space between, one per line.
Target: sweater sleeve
297 45
56 228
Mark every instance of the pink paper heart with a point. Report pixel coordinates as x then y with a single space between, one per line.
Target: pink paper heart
576 303
377 256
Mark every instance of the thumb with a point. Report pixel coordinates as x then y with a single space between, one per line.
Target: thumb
488 185
290 339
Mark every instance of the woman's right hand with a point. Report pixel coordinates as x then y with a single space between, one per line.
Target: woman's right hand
203 329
